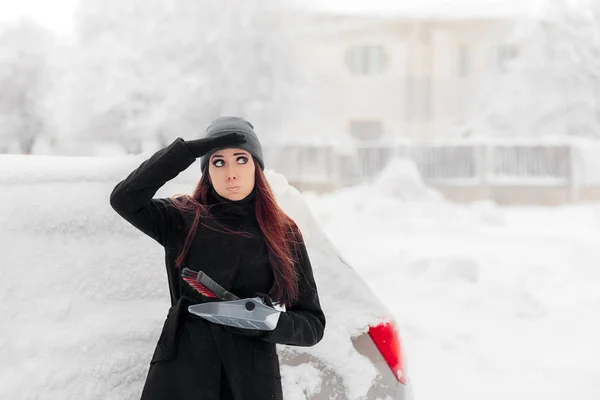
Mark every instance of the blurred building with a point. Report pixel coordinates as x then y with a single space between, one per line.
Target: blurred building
401 69
402 79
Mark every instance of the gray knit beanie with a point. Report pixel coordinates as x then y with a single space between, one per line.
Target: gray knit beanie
224 125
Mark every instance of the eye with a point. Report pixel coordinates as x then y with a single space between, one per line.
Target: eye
218 162
242 160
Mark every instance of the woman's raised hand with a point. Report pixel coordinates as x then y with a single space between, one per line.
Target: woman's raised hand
199 147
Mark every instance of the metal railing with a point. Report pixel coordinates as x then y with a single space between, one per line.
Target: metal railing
448 164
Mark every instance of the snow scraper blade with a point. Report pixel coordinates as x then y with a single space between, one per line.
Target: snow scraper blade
249 313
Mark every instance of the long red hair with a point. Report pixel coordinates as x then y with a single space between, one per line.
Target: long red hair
280 232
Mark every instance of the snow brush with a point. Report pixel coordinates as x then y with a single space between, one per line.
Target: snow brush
250 313
204 285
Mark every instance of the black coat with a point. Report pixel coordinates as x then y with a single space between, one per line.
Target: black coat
192 355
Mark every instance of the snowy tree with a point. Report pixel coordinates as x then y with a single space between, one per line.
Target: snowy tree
553 87
25 48
155 69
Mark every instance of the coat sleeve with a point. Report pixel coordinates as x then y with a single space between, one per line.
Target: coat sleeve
303 324
132 198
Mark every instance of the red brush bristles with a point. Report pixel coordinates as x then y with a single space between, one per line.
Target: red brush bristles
190 277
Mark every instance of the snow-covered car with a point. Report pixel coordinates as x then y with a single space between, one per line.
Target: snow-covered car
86 293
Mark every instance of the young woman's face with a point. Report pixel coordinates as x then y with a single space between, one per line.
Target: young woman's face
231 172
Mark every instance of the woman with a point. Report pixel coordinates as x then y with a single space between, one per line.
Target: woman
232 229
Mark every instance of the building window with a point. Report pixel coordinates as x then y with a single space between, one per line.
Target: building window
366 130
366 60
505 53
464 61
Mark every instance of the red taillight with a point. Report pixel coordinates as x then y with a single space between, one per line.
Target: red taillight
386 339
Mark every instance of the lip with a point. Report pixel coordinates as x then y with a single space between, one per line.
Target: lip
233 187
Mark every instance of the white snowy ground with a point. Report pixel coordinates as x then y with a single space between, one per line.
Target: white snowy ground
492 303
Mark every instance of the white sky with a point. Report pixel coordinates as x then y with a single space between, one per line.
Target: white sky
54 14
57 14
451 9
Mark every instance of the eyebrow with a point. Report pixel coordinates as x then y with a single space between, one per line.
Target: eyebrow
235 154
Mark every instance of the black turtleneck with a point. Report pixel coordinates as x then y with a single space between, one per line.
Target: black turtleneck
248 202
253 271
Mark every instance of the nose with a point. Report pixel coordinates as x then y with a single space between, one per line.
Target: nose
231 173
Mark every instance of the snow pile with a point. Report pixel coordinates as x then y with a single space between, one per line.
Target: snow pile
22 169
401 179
492 303
398 195
83 294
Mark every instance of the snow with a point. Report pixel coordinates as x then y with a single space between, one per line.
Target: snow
436 9
57 15
589 158
548 88
401 179
491 302
85 293
300 381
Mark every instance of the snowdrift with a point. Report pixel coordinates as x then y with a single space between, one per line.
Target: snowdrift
84 294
